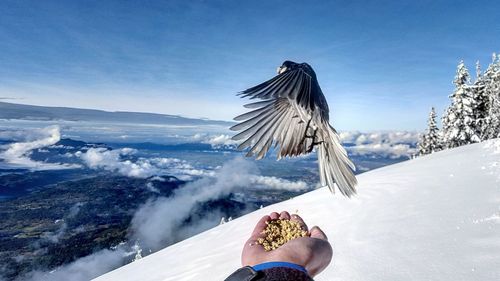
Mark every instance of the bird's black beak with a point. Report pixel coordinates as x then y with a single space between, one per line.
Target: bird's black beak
281 69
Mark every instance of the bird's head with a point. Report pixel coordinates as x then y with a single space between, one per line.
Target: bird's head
286 66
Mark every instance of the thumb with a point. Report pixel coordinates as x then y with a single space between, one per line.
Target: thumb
316 232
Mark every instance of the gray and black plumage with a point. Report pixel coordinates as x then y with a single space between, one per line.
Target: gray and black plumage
293 115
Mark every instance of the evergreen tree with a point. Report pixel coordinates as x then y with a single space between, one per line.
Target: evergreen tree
481 103
433 134
458 122
430 141
491 126
422 145
447 123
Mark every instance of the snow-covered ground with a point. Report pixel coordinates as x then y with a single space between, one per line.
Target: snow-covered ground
433 218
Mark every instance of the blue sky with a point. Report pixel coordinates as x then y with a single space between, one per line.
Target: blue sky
381 64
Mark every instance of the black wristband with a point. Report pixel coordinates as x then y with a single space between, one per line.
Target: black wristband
246 273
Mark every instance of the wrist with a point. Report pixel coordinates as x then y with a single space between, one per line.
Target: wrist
273 271
273 264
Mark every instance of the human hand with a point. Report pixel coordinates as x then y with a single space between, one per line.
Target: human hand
314 252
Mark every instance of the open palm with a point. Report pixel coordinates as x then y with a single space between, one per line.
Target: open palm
313 252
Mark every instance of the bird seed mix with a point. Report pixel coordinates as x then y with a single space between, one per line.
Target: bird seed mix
280 231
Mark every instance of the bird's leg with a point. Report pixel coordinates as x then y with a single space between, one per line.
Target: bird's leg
305 133
313 142
310 149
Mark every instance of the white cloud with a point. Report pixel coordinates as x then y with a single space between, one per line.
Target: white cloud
17 154
216 141
386 144
221 141
381 149
378 137
151 187
179 168
278 183
84 268
156 224
54 237
29 135
119 161
111 160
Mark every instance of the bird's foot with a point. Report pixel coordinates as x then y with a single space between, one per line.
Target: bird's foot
311 147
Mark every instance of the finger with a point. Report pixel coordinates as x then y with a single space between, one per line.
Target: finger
316 232
301 222
284 215
274 216
261 225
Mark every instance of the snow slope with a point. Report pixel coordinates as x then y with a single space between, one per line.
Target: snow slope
433 218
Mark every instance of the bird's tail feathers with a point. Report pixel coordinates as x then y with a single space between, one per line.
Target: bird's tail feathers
334 164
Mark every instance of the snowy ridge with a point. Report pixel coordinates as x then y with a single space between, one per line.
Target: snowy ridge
432 218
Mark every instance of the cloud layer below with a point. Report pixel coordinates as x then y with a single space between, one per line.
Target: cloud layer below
123 162
160 222
153 225
17 154
120 161
387 144
383 144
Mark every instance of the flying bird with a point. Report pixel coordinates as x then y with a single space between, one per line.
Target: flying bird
293 115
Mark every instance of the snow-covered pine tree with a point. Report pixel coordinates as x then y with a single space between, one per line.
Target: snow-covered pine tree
433 134
458 121
422 145
430 141
481 103
491 126
446 122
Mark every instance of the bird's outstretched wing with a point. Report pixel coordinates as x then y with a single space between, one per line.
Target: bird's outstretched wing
277 121
297 84
282 118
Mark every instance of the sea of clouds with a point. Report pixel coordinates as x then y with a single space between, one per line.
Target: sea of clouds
153 226
384 144
23 142
159 222
120 161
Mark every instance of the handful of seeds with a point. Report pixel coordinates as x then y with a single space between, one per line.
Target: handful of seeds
280 231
